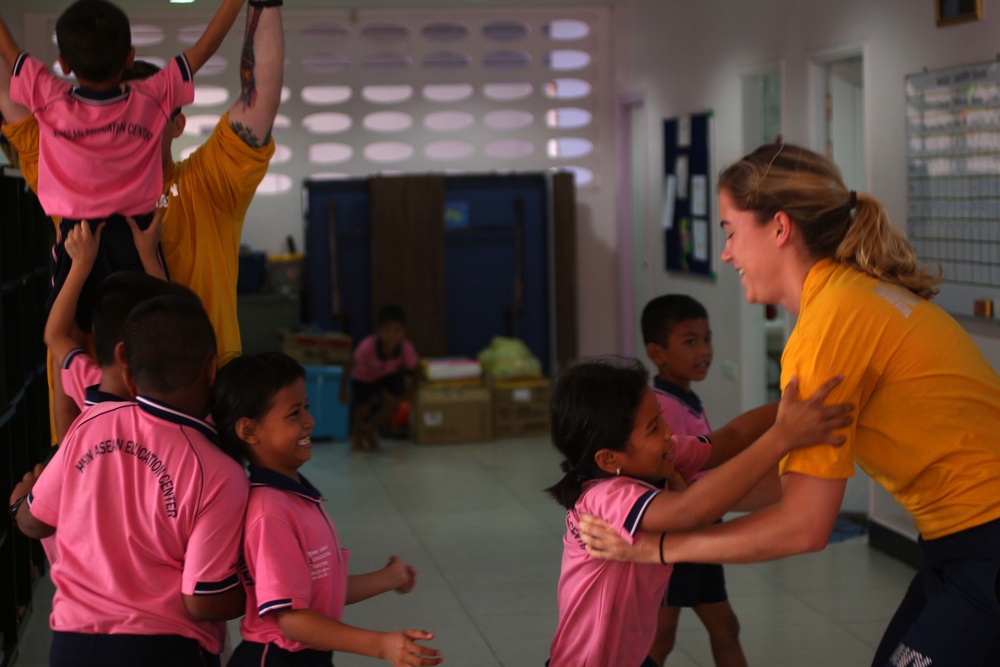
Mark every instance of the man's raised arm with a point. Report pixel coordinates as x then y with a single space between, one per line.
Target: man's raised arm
262 64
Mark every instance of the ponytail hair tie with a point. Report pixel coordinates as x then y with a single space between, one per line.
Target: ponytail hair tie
854 199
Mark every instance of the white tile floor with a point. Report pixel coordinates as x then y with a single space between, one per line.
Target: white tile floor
486 542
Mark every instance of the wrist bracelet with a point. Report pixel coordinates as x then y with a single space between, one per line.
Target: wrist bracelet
265 3
662 537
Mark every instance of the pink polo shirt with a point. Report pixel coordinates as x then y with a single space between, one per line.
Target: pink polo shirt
371 366
79 372
608 609
145 507
293 557
100 153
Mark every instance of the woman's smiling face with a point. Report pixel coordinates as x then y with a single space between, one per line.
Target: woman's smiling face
751 249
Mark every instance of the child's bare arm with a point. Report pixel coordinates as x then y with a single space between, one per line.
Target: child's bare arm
740 433
799 424
221 607
396 576
399 648
262 66
9 48
61 333
9 109
147 242
214 34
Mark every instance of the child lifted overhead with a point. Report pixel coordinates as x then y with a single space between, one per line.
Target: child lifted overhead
296 571
99 142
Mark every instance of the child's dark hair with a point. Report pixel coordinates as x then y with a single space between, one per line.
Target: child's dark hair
390 313
115 298
664 312
94 39
245 387
168 340
594 405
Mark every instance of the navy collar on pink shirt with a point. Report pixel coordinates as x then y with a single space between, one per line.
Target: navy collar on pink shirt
167 413
93 395
267 477
689 398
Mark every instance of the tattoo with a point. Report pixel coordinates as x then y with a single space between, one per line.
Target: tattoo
247 135
248 93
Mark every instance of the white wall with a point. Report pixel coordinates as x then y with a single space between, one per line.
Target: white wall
690 55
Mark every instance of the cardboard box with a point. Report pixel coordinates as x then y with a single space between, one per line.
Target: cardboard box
330 348
451 414
521 407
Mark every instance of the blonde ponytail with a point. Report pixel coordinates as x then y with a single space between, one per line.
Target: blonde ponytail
808 187
873 245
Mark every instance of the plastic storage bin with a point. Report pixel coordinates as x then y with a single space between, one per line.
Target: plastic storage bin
323 392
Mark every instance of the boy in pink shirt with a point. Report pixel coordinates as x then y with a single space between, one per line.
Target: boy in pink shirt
145 508
619 454
99 142
378 376
679 341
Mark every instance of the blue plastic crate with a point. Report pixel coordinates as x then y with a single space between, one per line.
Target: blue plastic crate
323 390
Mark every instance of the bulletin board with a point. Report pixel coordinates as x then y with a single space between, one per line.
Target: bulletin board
953 179
688 194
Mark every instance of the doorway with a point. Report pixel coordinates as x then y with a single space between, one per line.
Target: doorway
635 242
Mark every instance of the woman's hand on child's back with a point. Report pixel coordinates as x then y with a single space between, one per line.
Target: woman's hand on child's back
807 422
402 574
402 650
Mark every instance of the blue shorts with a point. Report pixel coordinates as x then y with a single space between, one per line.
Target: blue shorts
692 584
76 649
950 616
255 654
363 393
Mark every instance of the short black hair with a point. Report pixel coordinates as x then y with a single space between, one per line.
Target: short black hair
245 387
664 312
94 39
115 298
390 313
168 339
594 407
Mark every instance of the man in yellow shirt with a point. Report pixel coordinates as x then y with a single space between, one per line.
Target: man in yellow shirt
207 194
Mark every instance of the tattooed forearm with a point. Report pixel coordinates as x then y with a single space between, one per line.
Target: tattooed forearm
247 135
248 93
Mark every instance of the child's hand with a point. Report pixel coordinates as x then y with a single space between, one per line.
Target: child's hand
402 650
809 422
81 245
147 240
402 575
27 483
676 482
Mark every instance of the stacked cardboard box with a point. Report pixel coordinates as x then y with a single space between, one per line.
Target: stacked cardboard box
520 407
329 348
451 413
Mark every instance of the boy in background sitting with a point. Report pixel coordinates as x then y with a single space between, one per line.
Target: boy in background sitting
378 377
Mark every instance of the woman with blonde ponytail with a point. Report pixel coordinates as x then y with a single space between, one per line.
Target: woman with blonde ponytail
928 420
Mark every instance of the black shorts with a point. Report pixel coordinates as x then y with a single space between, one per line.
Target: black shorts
950 615
116 253
255 654
75 649
692 584
362 393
